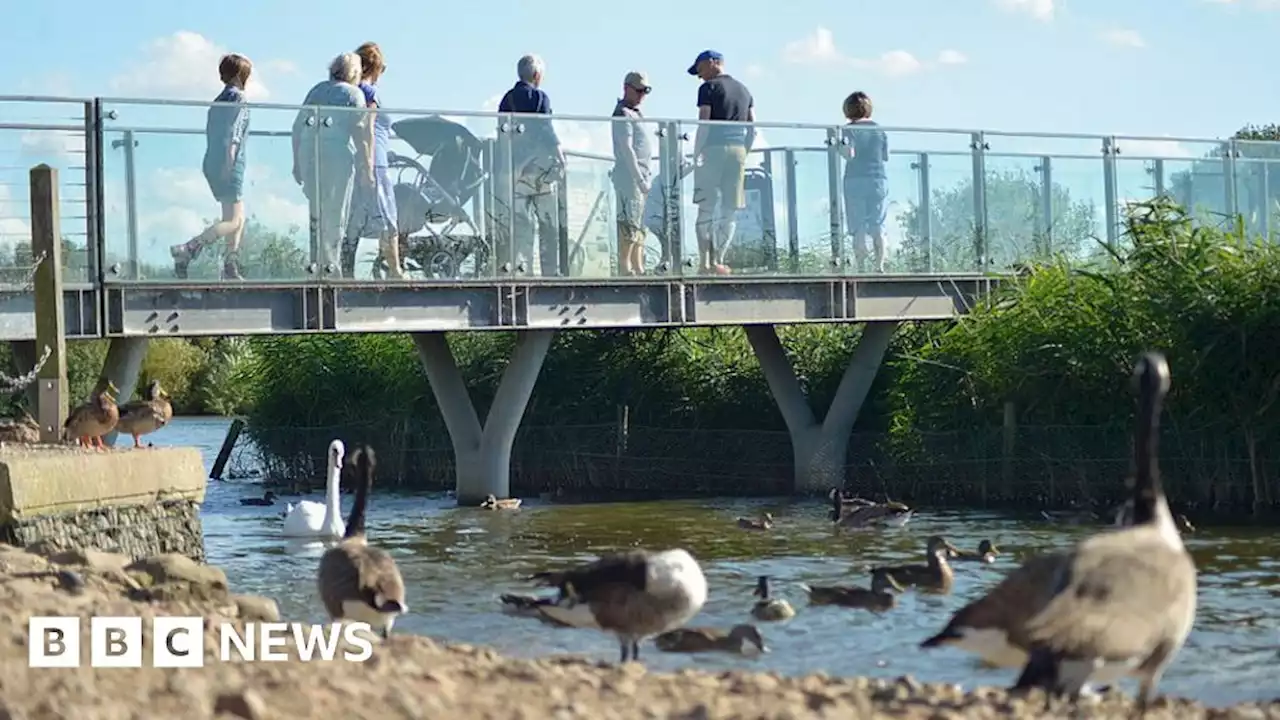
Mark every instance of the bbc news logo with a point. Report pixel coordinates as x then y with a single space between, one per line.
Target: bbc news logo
178 642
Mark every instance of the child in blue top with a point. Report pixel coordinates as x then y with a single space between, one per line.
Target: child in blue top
865 180
226 131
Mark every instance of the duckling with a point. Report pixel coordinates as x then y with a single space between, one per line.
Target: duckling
741 639
878 598
268 498
936 576
769 609
764 522
95 418
146 416
987 552
358 581
493 503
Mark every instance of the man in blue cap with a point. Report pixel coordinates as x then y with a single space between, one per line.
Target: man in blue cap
720 157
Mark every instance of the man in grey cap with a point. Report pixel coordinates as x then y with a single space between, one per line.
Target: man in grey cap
720 157
632 177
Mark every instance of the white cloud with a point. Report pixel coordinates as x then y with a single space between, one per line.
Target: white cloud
1124 38
491 104
1171 149
819 49
1042 10
58 148
755 70
14 227
183 66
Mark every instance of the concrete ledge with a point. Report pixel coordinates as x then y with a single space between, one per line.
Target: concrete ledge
43 480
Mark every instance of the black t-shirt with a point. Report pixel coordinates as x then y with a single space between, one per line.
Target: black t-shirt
728 100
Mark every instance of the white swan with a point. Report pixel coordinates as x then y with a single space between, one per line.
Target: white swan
321 521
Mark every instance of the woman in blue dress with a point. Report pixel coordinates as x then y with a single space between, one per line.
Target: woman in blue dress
373 205
226 131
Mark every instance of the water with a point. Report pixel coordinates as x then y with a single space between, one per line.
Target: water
457 561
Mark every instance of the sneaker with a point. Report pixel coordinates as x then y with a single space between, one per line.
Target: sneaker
182 259
231 268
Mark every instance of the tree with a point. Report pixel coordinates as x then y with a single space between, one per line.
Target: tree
1016 231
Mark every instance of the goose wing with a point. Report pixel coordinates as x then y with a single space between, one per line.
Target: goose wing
1011 603
355 571
1119 597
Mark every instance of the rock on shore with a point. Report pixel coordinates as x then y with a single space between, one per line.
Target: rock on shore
414 677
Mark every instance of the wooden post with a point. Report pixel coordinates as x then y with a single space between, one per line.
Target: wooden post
228 444
1009 448
46 248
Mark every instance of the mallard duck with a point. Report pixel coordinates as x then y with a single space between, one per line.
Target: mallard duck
493 503
268 498
22 429
740 639
769 609
764 522
878 598
987 552
936 576
144 416
95 418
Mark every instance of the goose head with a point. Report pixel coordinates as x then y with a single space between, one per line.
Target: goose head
748 636
762 587
986 547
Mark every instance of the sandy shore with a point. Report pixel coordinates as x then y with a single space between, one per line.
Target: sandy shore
414 677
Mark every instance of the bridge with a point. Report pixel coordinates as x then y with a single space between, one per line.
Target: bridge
964 208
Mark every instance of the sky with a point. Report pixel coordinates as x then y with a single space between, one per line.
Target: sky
1151 68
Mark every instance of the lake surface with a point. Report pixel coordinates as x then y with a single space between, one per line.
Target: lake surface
457 561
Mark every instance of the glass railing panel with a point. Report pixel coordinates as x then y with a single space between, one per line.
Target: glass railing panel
1257 185
1192 173
171 187
930 224
50 132
881 178
1046 197
785 222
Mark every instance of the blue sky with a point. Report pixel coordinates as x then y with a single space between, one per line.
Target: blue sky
1160 68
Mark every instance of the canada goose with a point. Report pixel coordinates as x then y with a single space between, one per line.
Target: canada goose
740 639
859 515
89 421
1120 603
764 522
633 595
935 576
878 598
987 552
769 609
491 502
529 606
268 498
358 581
1124 516
141 417
322 521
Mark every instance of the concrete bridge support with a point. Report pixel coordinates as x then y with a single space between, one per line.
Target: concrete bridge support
820 448
482 451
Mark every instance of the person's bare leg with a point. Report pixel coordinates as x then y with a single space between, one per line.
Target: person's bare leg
637 251
859 242
389 245
877 241
233 223
704 228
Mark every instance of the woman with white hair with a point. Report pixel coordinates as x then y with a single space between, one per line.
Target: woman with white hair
329 147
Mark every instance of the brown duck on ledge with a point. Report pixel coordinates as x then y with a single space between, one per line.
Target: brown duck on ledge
491 502
140 417
90 421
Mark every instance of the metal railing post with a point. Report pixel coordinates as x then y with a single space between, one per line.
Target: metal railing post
924 215
1044 218
981 242
835 140
1229 154
793 222
1109 152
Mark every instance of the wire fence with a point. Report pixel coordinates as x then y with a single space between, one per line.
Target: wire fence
1047 466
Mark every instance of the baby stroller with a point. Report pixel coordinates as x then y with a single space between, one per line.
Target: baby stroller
432 199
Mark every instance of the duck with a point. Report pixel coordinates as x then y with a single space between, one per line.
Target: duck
358 581
740 639
90 421
769 609
20 430
633 595
866 513
268 498
764 522
934 576
1120 603
140 417
322 521
878 598
987 552
491 502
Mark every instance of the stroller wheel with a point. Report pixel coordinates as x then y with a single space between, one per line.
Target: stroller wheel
440 265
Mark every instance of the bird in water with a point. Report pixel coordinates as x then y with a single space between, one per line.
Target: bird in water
764 522
769 609
741 639
268 498
879 598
